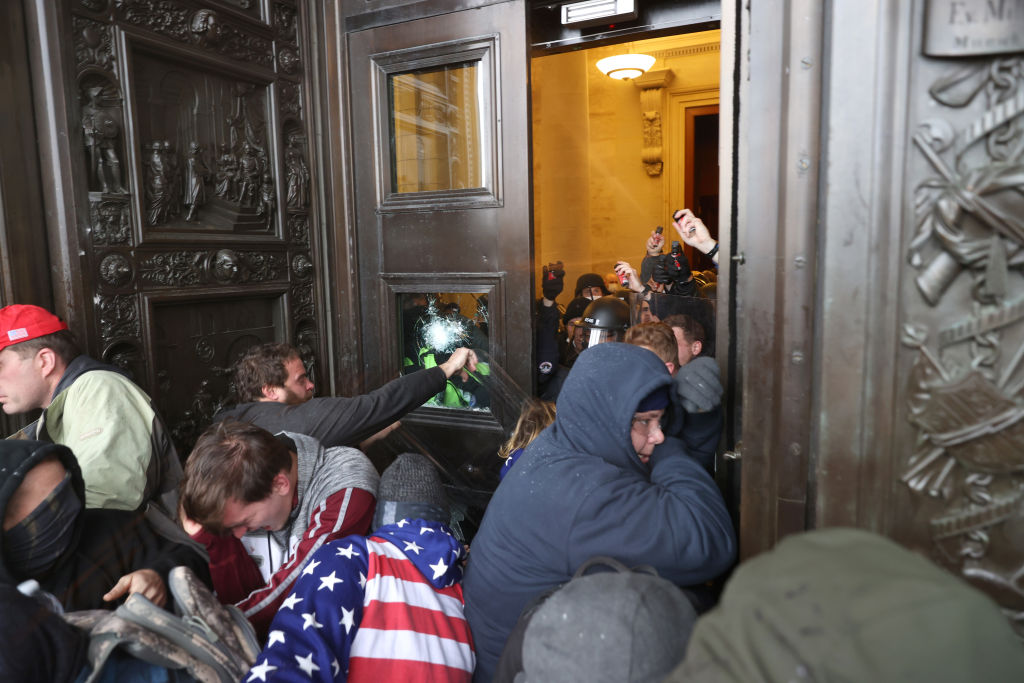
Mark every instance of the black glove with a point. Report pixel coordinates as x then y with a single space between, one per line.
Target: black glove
699 386
553 280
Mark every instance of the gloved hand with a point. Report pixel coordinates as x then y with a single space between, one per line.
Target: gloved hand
699 385
553 276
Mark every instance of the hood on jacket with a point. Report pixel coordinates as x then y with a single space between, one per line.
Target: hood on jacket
437 544
596 405
17 457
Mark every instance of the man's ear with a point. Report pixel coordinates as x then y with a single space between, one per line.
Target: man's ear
697 347
671 367
281 485
46 361
270 393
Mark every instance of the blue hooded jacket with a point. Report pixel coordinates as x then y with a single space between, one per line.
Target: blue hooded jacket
579 490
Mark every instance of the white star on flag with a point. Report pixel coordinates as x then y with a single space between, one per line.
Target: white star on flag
309 619
260 670
402 523
335 667
291 601
329 581
410 546
346 619
347 552
362 580
275 637
426 530
306 664
439 569
313 564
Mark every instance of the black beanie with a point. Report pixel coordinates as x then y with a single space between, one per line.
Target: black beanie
590 280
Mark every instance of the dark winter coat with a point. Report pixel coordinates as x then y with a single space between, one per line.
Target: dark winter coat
579 490
106 545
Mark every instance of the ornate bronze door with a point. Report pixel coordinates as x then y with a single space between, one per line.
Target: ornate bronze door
176 137
442 187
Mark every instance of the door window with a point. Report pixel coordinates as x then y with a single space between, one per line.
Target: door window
435 128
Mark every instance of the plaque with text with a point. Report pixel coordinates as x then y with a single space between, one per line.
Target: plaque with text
966 28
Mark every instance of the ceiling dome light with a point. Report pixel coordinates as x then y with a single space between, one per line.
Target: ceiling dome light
625 67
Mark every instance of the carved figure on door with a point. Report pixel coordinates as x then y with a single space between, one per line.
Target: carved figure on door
298 180
157 189
196 175
227 171
101 135
249 169
268 199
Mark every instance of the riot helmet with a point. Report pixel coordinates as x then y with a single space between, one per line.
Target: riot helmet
605 319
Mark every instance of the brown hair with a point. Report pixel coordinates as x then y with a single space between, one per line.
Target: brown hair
693 331
61 343
262 366
658 337
231 459
535 416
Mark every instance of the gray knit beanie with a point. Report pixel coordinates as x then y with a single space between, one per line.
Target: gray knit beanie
410 488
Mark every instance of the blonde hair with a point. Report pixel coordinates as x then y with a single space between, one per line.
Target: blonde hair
535 416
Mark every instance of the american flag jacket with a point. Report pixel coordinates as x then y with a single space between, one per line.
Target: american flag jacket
387 607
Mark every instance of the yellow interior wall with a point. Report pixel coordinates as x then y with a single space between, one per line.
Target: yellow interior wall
593 201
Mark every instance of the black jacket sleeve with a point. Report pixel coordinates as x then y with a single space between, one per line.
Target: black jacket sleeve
341 421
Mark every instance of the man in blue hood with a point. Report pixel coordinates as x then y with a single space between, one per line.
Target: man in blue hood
602 480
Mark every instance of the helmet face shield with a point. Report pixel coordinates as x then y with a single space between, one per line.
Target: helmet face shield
595 336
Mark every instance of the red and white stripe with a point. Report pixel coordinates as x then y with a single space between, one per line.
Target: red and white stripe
409 630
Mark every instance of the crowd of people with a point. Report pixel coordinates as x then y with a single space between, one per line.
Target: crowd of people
602 554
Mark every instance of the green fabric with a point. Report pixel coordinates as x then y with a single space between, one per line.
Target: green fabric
107 422
848 605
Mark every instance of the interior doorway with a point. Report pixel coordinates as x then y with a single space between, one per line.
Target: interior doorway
612 159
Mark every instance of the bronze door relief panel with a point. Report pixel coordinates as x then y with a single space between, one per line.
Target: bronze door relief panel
195 147
961 477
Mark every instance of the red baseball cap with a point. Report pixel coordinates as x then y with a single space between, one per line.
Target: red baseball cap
22 322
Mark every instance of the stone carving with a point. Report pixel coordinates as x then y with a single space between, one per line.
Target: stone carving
284 21
115 270
204 349
250 169
306 341
196 175
651 153
173 269
102 140
206 28
289 101
268 200
223 266
302 266
161 182
110 222
288 60
964 386
118 317
93 46
171 19
298 229
226 266
298 178
227 171
302 300
652 87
